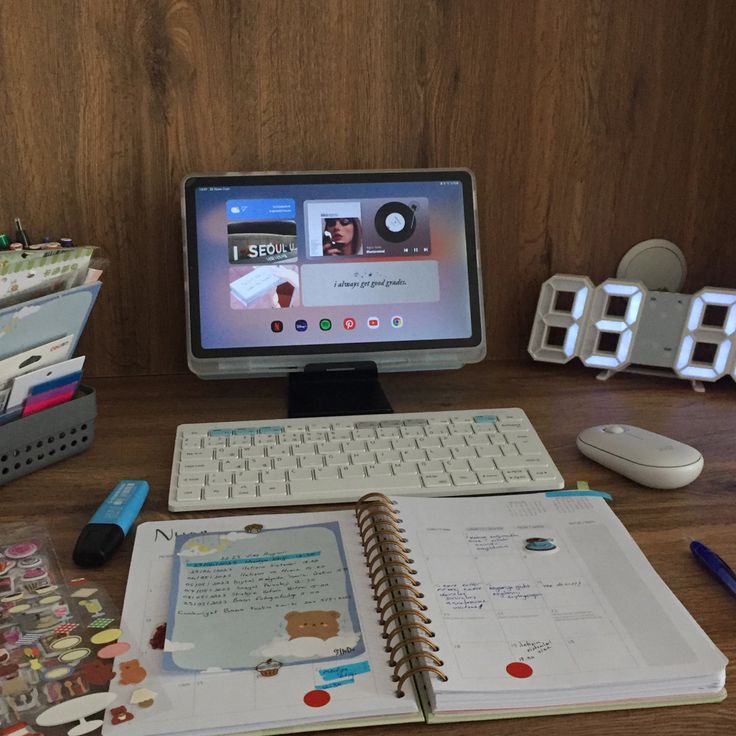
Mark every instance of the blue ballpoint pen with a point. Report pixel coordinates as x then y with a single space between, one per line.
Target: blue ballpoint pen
714 565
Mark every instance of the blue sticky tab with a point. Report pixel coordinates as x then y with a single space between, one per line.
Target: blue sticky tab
220 432
336 683
602 494
485 419
270 430
41 388
345 670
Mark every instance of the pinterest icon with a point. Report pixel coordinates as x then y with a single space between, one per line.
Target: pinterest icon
349 323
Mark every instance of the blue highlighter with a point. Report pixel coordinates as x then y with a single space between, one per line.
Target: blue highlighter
109 525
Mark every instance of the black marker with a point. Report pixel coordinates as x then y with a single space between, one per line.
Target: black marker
108 526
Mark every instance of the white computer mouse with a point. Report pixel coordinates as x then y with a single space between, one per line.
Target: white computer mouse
650 459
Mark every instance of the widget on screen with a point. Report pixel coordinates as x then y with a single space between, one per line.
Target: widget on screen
368 227
397 321
349 323
261 231
264 287
374 323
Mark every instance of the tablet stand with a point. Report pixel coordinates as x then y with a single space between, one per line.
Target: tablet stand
336 389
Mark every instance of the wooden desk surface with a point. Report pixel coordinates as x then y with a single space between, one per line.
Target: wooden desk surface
137 420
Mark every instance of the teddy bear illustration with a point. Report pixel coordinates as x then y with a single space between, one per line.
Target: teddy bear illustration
131 672
320 624
97 672
120 715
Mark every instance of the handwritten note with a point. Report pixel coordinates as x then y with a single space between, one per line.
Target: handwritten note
242 599
461 596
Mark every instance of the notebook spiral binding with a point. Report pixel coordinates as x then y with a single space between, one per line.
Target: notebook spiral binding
396 591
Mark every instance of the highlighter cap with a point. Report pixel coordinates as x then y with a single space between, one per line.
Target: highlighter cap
96 544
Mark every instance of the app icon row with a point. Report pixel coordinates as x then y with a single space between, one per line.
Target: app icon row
349 323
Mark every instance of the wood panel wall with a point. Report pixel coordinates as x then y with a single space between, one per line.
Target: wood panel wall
590 126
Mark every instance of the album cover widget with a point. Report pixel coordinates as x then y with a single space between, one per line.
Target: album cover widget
368 227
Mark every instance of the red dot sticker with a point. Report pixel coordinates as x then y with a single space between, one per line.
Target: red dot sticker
317 698
519 669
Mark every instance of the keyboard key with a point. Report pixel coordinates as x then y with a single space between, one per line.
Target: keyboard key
226 453
481 463
232 465
300 474
464 479
216 492
244 490
490 477
192 479
357 485
463 452
437 480
378 469
188 493
520 461
412 456
430 466
219 478
456 466
272 489
198 466
439 453
542 474
245 476
388 456
259 464
320 473
516 476
353 471
273 476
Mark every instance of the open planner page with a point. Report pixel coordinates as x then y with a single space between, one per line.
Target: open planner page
254 623
543 601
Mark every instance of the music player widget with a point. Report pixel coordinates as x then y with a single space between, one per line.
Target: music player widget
368 227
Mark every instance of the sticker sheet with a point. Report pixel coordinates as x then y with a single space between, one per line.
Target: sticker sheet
57 639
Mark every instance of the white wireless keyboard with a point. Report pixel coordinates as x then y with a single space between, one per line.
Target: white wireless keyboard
338 459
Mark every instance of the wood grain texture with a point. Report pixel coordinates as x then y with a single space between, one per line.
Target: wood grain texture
135 432
590 126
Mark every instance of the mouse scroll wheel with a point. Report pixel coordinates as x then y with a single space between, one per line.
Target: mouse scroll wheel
614 429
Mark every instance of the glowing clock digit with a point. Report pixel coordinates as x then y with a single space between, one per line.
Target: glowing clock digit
707 342
613 321
558 322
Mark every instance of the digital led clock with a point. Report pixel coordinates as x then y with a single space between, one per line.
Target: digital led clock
621 325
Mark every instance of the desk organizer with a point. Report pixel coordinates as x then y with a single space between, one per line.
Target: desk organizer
54 434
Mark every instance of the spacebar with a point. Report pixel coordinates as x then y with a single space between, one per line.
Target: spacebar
351 487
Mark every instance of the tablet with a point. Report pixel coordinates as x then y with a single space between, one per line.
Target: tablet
288 269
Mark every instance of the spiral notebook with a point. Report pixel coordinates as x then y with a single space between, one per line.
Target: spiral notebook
407 609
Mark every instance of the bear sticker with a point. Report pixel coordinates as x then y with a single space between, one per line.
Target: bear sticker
131 672
320 624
